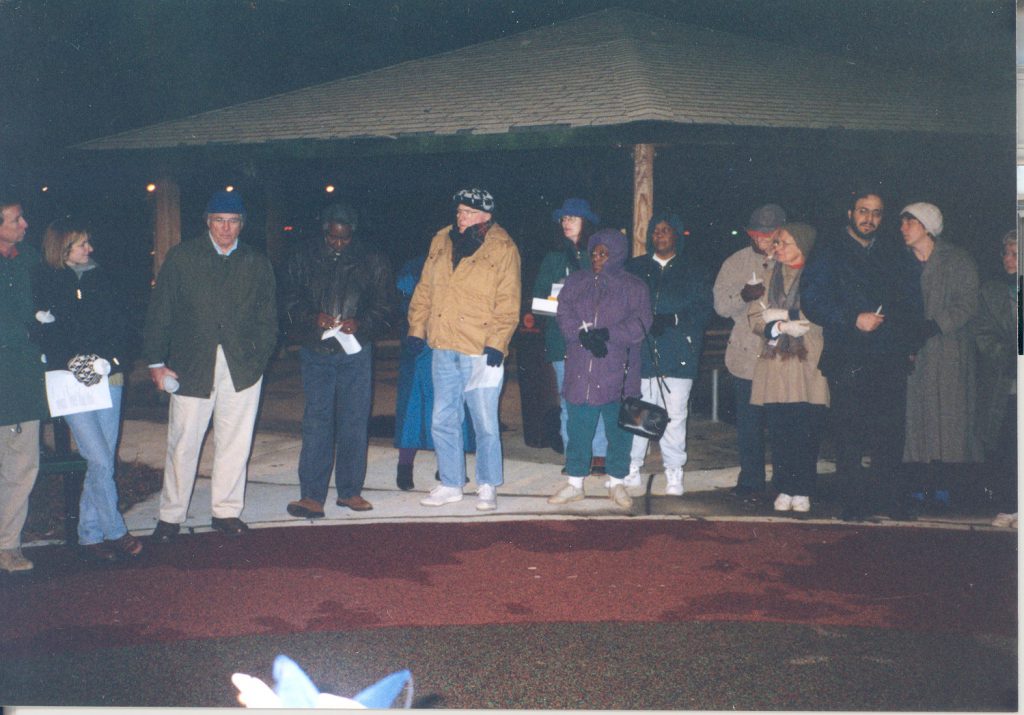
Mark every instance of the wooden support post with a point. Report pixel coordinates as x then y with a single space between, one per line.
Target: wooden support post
643 195
166 220
275 222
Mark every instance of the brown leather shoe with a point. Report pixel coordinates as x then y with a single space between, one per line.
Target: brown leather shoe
232 525
127 546
306 508
356 503
98 552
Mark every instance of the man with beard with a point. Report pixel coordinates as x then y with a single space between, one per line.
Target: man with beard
466 306
860 289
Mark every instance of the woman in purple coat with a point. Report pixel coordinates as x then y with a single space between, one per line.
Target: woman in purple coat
603 313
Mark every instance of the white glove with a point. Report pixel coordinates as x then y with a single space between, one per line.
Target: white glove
44 316
770 315
795 328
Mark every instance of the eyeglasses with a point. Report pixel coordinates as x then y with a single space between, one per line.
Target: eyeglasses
221 220
600 252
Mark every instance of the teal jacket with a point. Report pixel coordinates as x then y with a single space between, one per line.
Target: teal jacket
22 391
203 299
554 269
683 288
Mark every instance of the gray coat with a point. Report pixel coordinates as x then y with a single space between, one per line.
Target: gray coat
941 389
996 339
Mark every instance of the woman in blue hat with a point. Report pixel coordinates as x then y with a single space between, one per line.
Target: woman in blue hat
577 223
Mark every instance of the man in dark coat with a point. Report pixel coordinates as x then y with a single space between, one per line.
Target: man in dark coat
22 399
337 286
210 330
860 289
681 299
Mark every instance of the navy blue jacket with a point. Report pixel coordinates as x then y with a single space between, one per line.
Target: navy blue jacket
843 279
682 287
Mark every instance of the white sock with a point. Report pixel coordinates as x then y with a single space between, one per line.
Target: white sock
576 482
612 481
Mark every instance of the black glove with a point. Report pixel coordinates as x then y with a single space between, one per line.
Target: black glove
751 291
663 321
494 357
414 345
595 341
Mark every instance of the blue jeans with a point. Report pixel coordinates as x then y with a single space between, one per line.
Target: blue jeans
96 434
599 447
451 371
750 425
335 422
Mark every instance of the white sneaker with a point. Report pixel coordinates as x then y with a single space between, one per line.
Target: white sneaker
631 480
620 496
802 504
566 494
783 502
1004 521
487 497
441 495
12 560
675 482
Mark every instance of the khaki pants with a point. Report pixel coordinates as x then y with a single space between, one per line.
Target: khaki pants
234 417
19 465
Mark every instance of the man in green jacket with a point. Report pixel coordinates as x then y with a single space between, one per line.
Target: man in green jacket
22 396
210 330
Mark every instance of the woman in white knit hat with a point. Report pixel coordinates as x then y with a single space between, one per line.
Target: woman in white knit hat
941 390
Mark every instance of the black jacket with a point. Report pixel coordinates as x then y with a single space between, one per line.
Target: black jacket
843 279
89 317
355 283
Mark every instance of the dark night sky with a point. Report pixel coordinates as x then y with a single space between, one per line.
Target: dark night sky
71 70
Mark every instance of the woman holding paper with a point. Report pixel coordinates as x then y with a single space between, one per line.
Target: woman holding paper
88 337
576 223
786 376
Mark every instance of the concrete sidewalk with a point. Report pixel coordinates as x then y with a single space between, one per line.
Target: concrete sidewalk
273 482
531 474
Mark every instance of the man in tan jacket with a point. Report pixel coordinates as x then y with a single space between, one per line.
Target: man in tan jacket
466 307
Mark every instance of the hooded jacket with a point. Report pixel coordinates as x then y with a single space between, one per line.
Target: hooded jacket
611 299
355 283
683 288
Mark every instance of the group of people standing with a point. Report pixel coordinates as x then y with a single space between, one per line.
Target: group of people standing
886 337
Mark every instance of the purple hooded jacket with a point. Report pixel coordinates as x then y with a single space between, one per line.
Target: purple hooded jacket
610 299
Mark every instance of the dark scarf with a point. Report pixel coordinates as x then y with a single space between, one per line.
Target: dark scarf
784 346
465 244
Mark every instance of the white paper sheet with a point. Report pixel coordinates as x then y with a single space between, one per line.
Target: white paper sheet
484 375
67 396
347 341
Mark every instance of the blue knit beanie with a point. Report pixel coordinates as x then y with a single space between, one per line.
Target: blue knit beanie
225 202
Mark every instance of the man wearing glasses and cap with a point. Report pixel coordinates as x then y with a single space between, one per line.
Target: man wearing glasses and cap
466 307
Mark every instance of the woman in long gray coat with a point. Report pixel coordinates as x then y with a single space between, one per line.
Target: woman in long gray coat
941 388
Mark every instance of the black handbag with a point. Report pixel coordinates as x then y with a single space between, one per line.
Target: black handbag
644 419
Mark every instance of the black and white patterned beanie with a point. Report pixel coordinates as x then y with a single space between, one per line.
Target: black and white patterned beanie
479 199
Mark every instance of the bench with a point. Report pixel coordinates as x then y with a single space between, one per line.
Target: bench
70 466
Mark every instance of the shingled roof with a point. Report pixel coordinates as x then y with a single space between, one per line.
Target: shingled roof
610 68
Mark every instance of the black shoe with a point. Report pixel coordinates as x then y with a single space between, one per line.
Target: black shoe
745 492
404 477
853 514
232 526
165 532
